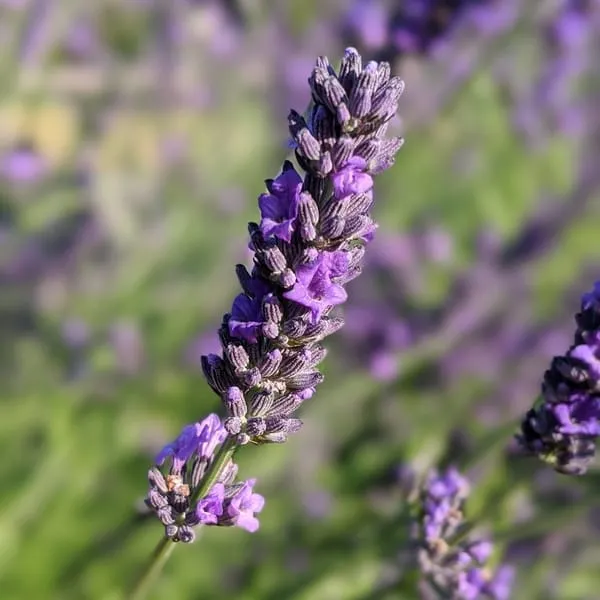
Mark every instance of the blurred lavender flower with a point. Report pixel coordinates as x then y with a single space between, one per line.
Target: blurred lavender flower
204 343
383 318
555 101
562 428
455 570
82 42
366 22
419 26
22 165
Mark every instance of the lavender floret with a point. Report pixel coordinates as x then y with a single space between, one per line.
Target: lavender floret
563 426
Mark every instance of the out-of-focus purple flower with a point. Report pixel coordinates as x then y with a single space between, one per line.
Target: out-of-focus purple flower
377 336
444 494
555 103
315 288
422 27
82 41
492 17
279 208
367 20
14 4
22 165
563 427
501 585
210 508
222 35
198 438
240 508
459 569
317 504
75 333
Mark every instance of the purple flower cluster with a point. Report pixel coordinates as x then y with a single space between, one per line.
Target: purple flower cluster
416 27
563 427
308 244
456 570
171 496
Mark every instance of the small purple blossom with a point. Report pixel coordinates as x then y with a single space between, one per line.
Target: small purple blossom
279 208
308 245
352 178
210 508
22 165
315 288
246 315
368 21
200 438
241 508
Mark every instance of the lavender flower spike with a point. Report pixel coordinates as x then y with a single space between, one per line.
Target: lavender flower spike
314 227
563 427
459 570
315 224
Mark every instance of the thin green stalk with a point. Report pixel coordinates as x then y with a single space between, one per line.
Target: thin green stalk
153 569
166 546
215 469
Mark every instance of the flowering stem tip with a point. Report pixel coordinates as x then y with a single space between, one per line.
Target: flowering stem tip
562 428
314 226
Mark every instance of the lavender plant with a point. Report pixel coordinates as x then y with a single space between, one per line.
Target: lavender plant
315 224
563 426
455 564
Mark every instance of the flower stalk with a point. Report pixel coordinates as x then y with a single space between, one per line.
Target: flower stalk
309 243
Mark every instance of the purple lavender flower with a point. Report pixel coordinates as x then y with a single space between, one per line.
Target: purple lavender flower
241 506
563 427
308 245
367 21
418 27
456 569
352 178
246 317
210 508
315 287
279 208
199 438
555 101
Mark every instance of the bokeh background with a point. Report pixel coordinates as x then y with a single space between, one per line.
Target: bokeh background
135 136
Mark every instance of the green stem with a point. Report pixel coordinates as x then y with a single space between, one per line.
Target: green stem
155 565
215 470
166 546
